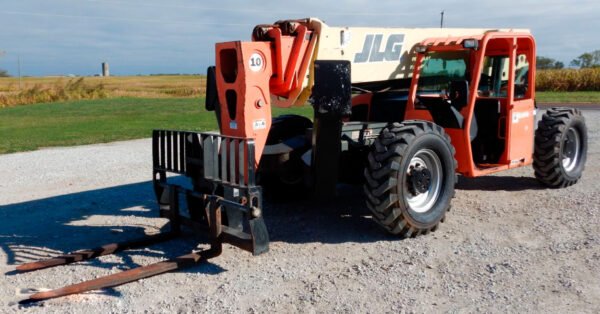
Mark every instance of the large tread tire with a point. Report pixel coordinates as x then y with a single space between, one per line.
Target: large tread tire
387 177
552 136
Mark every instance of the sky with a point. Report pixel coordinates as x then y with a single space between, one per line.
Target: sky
59 37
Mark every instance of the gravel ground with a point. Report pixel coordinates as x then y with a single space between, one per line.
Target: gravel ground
508 245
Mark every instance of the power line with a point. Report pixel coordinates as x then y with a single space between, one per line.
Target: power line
122 19
110 18
241 9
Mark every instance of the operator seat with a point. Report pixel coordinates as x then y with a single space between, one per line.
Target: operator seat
488 145
459 98
446 112
474 129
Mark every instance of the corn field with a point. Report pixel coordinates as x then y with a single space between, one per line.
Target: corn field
52 89
568 80
59 91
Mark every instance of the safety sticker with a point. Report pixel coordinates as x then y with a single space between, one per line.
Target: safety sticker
516 116
259 124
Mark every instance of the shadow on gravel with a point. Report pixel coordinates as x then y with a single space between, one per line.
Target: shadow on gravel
499 183
37 229
49 227
343 219
40 229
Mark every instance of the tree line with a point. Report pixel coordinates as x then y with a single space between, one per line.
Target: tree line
584 61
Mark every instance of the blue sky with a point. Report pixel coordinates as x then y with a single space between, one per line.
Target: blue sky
54 37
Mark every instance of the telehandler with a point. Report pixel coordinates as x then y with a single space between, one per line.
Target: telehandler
401 111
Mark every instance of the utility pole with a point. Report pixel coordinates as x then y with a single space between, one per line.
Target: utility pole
3 53
19 69
442 19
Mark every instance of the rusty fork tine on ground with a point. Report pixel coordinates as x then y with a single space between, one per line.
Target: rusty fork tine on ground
107 249
127 276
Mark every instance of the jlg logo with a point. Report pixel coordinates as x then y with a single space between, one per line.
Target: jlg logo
371 51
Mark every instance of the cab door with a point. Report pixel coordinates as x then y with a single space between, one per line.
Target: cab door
520 117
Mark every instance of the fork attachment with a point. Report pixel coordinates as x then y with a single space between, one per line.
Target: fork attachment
223 202
222 173
107 249
131 275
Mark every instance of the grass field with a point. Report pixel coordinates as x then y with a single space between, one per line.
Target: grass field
103 120
124 108
568 97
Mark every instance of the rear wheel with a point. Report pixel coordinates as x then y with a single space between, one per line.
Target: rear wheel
560 147
410 177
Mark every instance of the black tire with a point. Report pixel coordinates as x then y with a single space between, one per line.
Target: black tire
283 175
287 126
560 147
392 187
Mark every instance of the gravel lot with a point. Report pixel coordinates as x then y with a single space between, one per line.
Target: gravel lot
508 245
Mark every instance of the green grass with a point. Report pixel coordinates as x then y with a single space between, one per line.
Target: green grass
80 122
103 120
568 97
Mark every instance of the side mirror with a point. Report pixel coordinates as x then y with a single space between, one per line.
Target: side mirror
212 98
459 94
211 102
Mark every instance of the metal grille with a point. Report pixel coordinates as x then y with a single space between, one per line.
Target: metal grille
225 159
228 159
169 150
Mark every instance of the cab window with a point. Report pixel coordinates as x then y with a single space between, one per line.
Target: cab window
521 76
494 77
441 67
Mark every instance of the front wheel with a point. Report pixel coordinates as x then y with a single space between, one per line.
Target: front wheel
410 177
560 147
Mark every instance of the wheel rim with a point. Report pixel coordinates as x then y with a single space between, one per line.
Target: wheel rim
571 150
422 198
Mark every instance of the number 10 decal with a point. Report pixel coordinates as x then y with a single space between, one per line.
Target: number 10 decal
256 62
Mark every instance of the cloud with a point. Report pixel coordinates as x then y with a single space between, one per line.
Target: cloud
142 37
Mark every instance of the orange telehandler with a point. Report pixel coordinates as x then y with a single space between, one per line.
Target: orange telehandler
400 111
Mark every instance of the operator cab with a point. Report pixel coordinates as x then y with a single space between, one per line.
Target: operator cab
481 91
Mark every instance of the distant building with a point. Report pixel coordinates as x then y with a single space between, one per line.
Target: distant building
105 70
